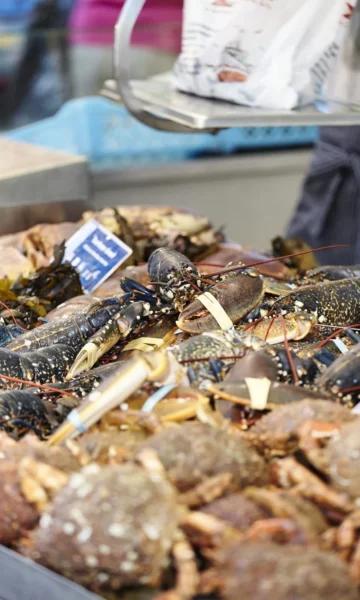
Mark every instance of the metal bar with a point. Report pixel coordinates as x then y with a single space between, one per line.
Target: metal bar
122 42
22 578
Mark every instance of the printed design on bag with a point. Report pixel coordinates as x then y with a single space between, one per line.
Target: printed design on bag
234 64
230 3
320 71
349 10
231 76
222 3
262 3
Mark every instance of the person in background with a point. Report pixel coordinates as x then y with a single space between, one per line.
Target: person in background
35 86
157 41
329 208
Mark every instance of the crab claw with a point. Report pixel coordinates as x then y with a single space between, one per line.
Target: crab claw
238 295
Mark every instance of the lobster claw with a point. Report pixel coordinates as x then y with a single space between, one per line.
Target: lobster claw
238 295
95 348
117 328
130 286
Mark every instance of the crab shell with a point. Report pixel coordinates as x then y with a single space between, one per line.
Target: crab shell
294 326
193 452
277 433
340 459
263 570
145 228
238 295
109 527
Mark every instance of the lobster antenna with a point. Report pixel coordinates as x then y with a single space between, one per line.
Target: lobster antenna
275 259
348 390
337 330
329 338
40 386
270 326
339 327
11 314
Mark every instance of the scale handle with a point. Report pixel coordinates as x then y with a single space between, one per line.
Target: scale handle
122 49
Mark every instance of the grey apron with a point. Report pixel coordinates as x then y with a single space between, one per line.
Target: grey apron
329 209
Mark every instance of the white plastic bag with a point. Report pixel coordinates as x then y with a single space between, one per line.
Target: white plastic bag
258 52
342 86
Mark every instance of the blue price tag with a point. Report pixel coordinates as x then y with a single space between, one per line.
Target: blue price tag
95 253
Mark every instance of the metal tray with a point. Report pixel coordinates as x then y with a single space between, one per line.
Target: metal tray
31 174
22 579
158 105
160 100
15 218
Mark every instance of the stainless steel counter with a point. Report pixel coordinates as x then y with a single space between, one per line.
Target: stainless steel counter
38 185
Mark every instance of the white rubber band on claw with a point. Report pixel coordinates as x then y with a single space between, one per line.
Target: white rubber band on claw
258 391
216 310
157 396
340 345
144 344
76 420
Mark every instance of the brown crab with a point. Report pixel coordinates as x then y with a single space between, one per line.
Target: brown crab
145 228
31 475
237 510
277 433
325 472
341 455
263 570
111 446
116 526
337 458
333 449
203 461
17 514
257 514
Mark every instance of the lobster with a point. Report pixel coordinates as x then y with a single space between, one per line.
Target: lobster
175 284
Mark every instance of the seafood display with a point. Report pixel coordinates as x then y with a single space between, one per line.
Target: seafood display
189 430
143 228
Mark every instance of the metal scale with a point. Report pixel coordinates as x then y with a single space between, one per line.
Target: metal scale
156 103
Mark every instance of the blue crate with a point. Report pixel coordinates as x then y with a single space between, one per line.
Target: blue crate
15 10
110 137
267 137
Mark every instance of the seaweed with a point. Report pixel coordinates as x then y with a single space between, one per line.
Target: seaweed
51 285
